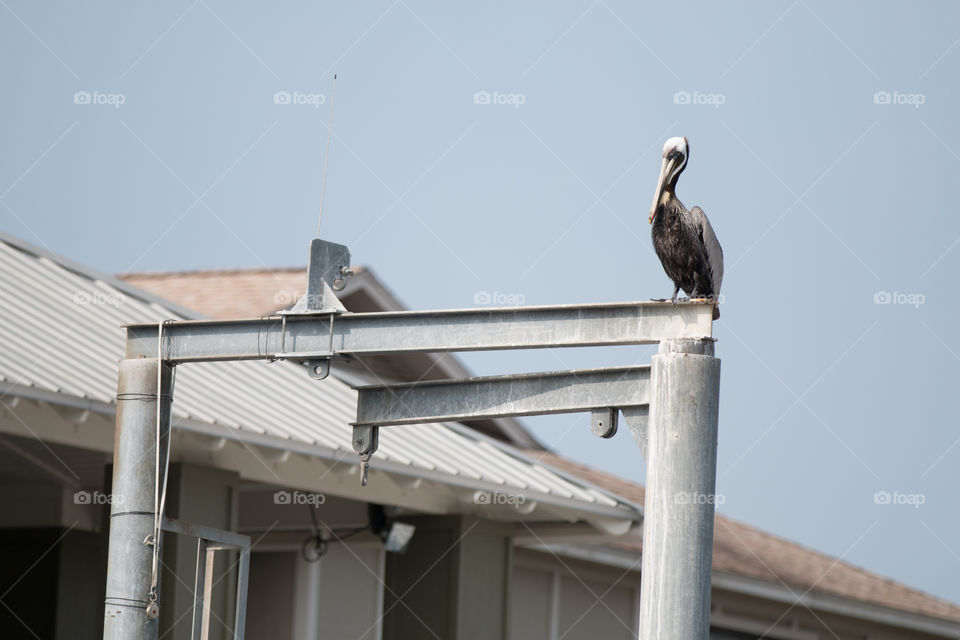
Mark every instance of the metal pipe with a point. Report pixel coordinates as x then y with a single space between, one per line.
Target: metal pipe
130 556
679 503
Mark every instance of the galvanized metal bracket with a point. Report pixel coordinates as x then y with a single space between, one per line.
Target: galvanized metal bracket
638 419
328 270
603 422
318 369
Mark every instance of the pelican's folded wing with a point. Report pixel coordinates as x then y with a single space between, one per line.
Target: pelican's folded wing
712 246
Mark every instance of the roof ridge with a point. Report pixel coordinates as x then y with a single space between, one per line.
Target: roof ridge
211 271
836 560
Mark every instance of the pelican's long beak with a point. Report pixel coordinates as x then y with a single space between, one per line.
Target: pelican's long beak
656 196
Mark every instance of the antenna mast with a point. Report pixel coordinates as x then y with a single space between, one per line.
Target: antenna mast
326 154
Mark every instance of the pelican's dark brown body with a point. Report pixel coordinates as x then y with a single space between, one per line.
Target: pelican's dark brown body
679 245
684 240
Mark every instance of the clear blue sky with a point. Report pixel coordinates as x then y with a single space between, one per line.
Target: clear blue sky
823 194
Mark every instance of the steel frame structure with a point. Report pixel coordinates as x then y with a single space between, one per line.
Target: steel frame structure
671 407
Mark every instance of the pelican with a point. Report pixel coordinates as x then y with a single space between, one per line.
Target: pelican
684 240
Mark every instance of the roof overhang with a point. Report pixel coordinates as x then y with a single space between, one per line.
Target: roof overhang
816 600
51 417
827 602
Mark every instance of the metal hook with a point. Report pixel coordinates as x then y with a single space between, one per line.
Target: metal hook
366 439
364 466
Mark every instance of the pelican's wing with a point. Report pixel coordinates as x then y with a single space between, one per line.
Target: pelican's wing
712 246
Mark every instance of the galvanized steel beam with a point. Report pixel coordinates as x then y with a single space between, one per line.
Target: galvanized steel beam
503 396
311 337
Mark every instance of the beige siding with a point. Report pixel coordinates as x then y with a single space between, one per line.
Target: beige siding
270 599
553 598
530 605
591 609
351 596
339 597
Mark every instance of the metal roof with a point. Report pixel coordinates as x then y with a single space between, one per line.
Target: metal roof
62 338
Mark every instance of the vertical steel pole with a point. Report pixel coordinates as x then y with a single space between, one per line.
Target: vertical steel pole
130 557
679 503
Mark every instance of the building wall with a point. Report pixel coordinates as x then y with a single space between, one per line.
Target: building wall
338 596
556 598
55 585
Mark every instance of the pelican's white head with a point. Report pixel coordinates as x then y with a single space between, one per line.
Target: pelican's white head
675 145
676 151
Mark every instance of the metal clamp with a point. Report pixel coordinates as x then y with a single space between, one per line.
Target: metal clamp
318 363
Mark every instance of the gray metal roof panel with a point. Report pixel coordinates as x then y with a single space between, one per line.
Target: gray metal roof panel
62 333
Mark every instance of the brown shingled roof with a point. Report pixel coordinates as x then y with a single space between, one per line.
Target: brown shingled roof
224 294
746 551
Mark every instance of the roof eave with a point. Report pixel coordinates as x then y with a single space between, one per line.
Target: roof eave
823 601
624 512
773 591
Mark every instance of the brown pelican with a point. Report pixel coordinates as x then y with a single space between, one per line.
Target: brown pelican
684 240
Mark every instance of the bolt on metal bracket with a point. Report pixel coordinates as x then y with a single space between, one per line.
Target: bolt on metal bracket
318 369
603 422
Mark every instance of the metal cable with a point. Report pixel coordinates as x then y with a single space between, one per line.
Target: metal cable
160 490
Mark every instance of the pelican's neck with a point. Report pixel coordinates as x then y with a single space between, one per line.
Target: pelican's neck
669 202
670 187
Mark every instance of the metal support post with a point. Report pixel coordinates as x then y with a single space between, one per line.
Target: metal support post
681 455
129 563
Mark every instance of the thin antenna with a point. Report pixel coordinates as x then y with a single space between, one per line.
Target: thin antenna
326 154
